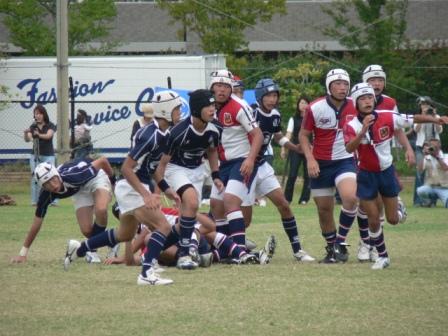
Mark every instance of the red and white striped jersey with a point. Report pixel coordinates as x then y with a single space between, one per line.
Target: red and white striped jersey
374 152
237 120
384 102
326 122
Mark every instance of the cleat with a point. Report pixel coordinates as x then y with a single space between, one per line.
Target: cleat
364 251
262 203
246 259
92 257
156 268
194 254
265 255
113 251
330 257
70 254
186 263
381 263
152 278
341 252
403 214
250 245
206 259
302 255
373 254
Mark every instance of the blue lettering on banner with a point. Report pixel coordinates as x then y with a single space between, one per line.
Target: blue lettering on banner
112 115
144 97
45 97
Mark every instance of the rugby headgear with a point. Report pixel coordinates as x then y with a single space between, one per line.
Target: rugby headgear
148 110
44 172
221 76
374 71
334 75
265 86
198 100
361 89
237 82
164 102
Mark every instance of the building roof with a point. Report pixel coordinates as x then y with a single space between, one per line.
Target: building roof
141 27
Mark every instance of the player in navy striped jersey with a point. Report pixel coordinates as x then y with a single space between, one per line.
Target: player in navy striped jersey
240 144
267 94
134 194
88 182
182 166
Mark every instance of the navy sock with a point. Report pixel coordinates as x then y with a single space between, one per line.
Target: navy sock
186 229
330 237
237 229
172 238
222 226
96 229
154 247
204 247
106 238
378 240
290 226
363 225
346 219
226 248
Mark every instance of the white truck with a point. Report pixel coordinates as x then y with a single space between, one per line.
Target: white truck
110 89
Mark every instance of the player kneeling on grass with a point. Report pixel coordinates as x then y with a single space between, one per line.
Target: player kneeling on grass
370 134
89 182
135 194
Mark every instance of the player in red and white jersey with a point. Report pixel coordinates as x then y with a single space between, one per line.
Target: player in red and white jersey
240 143
370 134
329 164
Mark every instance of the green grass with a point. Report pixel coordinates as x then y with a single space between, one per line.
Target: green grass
282 298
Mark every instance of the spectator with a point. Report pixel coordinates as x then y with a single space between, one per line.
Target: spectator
41 133
296 159
424 133
148 116
82 146
435 167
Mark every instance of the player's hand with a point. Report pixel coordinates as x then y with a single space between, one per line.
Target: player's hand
219 185
247 167
443 120
113 261
410 158
367 122
313 168
152 201
172 195
18 259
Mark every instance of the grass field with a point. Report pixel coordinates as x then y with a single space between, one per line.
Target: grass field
282 298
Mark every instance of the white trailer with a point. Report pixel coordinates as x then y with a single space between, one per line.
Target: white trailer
110 89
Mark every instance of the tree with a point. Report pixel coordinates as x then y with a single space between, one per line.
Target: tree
32 25
220 24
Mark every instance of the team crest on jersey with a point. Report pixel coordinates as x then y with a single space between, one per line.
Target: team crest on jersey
384 132
324 121
227 119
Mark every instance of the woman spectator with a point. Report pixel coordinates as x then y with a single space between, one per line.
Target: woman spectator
295 159
41 133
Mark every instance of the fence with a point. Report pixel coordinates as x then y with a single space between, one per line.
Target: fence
111 121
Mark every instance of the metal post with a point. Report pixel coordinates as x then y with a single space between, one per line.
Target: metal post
62 82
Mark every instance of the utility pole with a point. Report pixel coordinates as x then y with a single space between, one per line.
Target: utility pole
63 153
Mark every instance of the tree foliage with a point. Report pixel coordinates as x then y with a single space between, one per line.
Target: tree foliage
220 24
32 25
